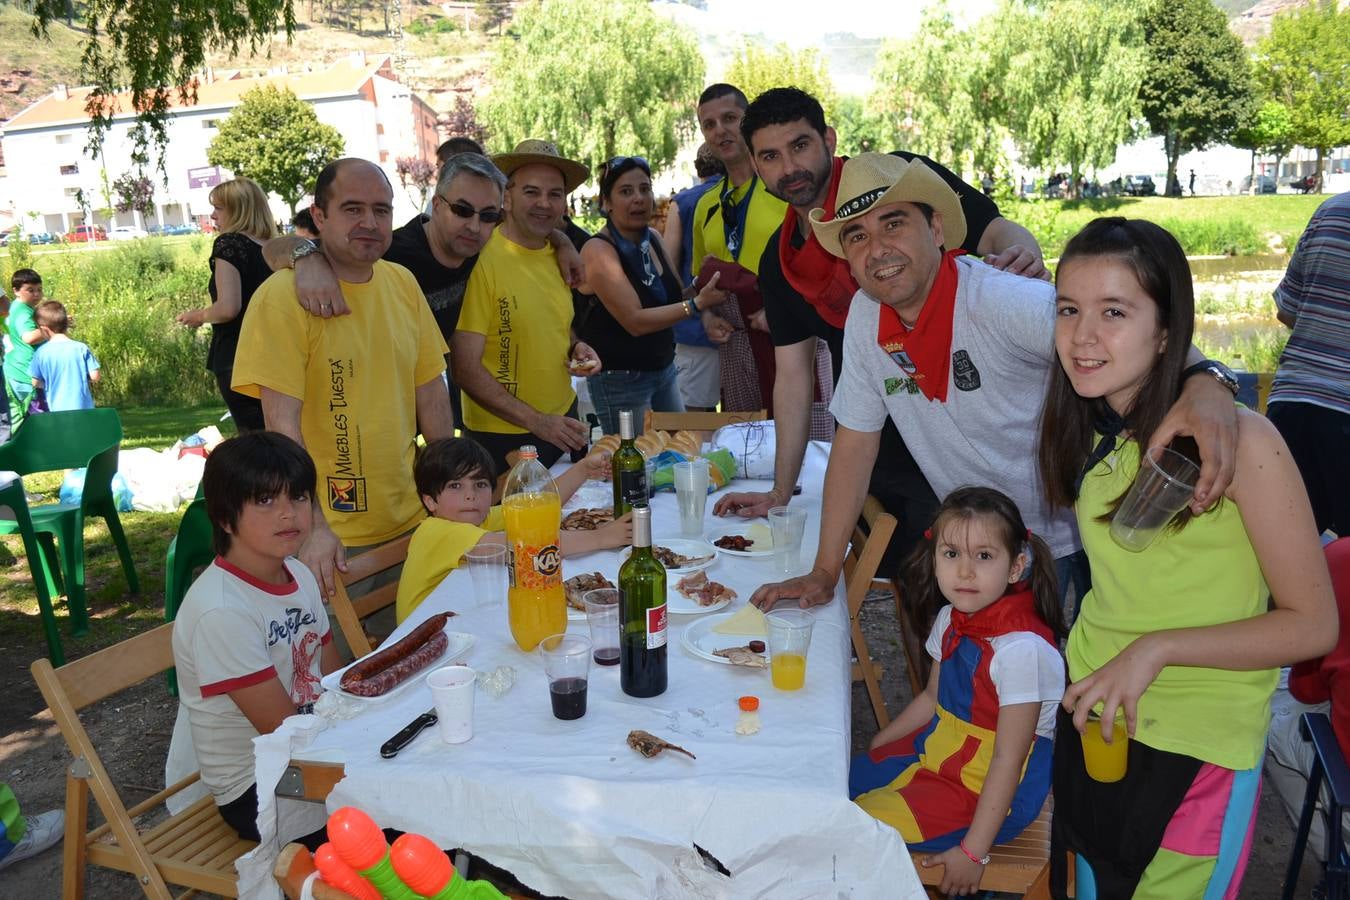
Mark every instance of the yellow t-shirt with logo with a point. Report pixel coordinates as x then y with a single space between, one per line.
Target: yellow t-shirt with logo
437 548
357 376
764 214
518 301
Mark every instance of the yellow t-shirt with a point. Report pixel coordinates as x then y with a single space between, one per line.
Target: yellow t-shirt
356 376
762 218
518 301
437 548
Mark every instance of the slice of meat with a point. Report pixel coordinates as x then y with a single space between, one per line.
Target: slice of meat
743 656
587 519
672 560
734 542
698 588
575 588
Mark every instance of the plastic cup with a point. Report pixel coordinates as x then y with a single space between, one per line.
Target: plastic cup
567 663
1164 485
487 566
452 696
649 463
602 616
1105 762
691 492
788 525
789 639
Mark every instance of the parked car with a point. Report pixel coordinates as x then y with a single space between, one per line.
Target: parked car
172 229
84 233
42 237
1265 184
127 233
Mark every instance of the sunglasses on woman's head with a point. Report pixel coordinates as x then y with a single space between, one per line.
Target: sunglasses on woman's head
489 216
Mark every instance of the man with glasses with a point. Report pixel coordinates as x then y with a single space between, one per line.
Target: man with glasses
439 248
513 346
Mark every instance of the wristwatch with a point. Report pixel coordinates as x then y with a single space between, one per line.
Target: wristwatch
303 249
1217 370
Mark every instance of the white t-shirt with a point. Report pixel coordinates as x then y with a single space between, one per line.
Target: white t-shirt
232 632
1025 669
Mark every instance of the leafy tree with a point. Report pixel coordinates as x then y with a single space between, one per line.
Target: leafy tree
276 139
154 50
754 69
596 77
419 174
860 129
1303 63
1197 87
463 120
1064 78
492 13
134 192
1271 131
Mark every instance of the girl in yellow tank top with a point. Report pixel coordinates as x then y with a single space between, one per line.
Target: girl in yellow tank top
1177 638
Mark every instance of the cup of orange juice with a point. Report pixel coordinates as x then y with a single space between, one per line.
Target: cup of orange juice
1105 762
789 638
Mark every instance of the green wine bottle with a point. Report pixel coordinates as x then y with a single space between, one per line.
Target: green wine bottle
642 605
629 468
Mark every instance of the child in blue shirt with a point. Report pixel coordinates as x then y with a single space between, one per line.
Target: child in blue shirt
62 367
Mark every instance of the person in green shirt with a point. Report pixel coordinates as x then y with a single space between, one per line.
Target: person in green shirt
24 337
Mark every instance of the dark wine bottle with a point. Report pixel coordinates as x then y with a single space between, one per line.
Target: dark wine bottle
629 468
642 605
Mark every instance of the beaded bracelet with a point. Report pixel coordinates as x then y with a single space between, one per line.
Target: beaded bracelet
972 857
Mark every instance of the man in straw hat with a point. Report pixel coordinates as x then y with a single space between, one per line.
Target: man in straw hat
513 349
958 354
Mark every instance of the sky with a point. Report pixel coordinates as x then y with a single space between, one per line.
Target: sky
796 22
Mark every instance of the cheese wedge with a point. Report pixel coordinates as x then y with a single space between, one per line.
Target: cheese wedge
749 621
762 535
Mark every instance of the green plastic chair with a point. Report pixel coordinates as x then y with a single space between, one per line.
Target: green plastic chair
42 563
83 438
191 549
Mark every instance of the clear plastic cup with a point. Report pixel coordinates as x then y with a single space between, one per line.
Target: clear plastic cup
691 492
1164 485
452 696
487 567
602 617
788 525
567 663
789 639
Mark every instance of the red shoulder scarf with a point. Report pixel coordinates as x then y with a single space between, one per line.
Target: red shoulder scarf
822 278
1014 611
924 352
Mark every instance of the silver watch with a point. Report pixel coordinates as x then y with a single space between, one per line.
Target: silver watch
1216 370
303 249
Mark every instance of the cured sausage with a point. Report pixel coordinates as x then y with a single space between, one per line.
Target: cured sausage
383 670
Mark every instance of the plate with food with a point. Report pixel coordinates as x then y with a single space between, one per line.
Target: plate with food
587 518
703 639
389 671
575 589
694 594
680 556
743 539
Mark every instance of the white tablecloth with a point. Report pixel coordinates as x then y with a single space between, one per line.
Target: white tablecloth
570 809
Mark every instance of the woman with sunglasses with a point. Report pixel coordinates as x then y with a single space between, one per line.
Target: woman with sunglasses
241 214
636 300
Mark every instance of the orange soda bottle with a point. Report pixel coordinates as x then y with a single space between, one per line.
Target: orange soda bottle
535 604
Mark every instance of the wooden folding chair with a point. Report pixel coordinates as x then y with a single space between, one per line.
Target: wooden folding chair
870 537
698 421
1021 866
349 612
918 664
194 849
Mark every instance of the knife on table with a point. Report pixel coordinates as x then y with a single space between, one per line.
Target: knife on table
390 748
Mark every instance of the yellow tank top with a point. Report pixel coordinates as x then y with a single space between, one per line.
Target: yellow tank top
1206 574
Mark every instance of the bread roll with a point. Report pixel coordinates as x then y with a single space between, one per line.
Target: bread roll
650 443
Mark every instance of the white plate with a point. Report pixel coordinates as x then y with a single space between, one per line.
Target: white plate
459 644
680 605
741 529
700 640
684 547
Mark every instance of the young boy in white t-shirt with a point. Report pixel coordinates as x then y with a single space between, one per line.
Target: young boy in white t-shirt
251 639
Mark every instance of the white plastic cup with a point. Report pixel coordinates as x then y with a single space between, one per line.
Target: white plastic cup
691 492
487 566
788 525
452 696
602 616
1164 485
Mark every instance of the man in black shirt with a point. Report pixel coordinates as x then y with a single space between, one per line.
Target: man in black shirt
806 296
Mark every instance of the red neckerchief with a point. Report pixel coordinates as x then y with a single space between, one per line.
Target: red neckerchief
822 278
1014 611
924 352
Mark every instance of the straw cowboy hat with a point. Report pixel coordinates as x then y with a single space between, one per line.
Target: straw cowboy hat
875 179
536 152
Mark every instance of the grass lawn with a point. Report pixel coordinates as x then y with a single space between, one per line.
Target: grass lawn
114 612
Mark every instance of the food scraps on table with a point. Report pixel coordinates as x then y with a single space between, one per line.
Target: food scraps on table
698 588
737 542
650 745
744 656
576 588
587 519
672 560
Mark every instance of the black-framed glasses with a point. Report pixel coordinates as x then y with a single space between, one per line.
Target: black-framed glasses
489 216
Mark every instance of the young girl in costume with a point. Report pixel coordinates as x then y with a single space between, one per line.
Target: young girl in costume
966 765
1178 637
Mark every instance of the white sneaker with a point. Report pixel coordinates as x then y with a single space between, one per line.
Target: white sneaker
43 831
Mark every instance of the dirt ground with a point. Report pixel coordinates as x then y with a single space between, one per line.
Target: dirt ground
132 731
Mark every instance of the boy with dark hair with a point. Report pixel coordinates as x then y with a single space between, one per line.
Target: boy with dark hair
454 480
24 335
251 639
63 368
